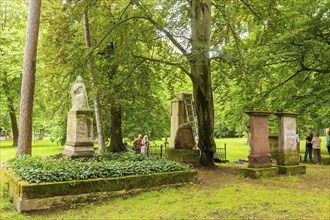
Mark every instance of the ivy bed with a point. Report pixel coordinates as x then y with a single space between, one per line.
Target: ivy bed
45 182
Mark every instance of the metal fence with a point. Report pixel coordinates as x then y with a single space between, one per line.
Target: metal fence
156 150
220 155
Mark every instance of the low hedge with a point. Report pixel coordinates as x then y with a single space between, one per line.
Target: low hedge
60 168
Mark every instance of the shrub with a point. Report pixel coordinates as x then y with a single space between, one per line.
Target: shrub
59 168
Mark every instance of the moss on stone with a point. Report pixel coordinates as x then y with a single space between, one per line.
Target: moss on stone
34 196
257 173
182 155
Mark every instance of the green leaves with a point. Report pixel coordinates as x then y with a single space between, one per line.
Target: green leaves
59 168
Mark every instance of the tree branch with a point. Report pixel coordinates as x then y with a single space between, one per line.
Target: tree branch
282 83
166 62
250 8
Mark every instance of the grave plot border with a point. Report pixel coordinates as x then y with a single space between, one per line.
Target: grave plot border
38 196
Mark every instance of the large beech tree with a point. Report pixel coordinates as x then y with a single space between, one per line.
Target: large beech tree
200 70
28 78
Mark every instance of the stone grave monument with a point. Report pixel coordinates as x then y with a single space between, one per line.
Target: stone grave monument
260 164
288 157
79 134
273 144
182 146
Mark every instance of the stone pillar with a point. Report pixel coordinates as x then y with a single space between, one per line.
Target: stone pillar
288 157
260 164
179 118
79 135
177 114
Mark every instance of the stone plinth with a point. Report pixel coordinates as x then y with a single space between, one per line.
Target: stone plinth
183 155
288 152
288 157
260 153
178 116
273 145
79 135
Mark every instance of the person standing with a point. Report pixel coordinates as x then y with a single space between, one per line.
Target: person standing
298 144
309 147
328 141
138 143
316 142
145 145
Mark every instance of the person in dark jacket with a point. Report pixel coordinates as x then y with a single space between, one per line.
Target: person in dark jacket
309 147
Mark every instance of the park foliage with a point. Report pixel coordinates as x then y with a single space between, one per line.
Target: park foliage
59 168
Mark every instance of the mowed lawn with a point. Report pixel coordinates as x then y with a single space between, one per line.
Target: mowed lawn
220 193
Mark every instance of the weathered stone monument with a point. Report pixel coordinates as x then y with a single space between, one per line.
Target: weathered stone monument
182 144
79 135
288 157
273 144
260 164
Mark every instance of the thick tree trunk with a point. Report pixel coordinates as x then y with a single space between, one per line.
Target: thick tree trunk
116 143
14 127
97 104
201 78
28 78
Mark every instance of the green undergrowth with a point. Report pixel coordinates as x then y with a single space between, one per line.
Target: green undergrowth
59 168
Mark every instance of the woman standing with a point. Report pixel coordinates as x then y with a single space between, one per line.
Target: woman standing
317 148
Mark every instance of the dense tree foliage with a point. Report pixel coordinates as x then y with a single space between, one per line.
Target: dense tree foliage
261 54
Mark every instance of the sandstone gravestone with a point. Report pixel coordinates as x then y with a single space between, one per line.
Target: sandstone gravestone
184 138
260 152
288 156
79 135
184 148
260 164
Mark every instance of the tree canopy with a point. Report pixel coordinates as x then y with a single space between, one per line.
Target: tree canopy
262 54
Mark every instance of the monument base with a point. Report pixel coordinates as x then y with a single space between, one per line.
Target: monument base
288 158
79 141
260 161
292 170
257 173
86 150
183 155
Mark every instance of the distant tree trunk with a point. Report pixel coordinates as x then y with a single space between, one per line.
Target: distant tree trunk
28 78
14 127
12 111
201 78
97 104
116 143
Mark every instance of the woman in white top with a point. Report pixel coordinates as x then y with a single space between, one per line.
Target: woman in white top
317 148
145 145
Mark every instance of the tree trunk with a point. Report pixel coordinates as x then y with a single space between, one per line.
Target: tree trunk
201 78
116 143
12 111
28 78
14 127
97 104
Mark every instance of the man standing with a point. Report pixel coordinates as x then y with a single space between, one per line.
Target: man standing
309 147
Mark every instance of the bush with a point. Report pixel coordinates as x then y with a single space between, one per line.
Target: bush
59 168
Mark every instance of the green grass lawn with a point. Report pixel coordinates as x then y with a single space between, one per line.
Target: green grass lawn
220 194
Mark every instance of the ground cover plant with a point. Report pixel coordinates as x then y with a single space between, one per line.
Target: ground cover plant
61 168
219 194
